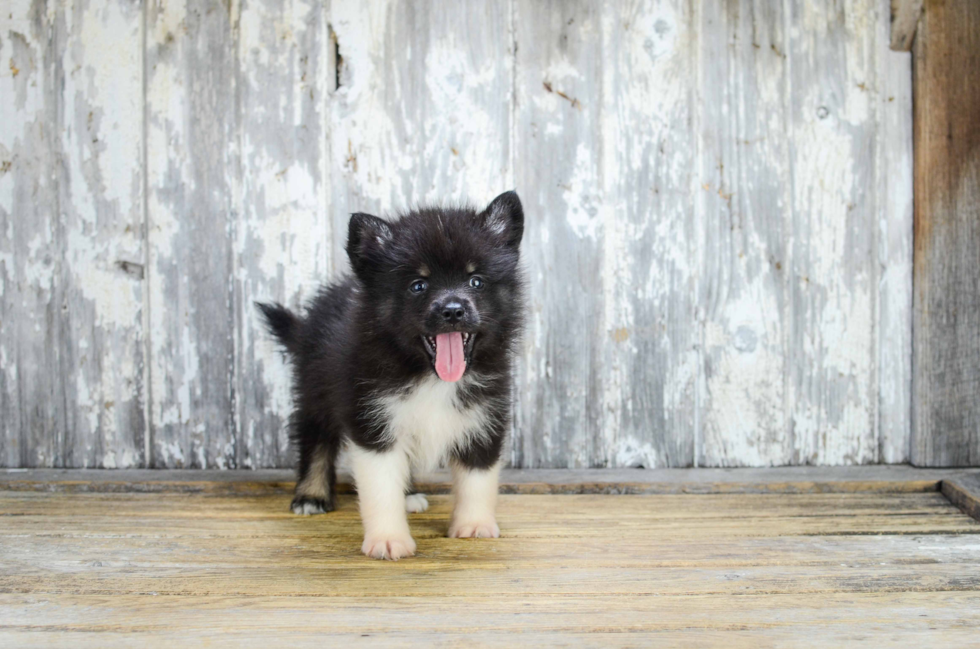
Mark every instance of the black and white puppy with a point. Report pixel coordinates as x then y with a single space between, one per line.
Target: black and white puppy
407 363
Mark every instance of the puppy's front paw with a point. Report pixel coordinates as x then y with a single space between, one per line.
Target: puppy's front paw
307 505
388 546
474 529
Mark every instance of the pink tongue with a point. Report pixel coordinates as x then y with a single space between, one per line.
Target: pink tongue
450 363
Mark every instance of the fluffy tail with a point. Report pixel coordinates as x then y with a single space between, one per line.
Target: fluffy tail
281 323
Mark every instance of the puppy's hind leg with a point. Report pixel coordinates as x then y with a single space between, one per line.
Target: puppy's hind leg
416 503
316 484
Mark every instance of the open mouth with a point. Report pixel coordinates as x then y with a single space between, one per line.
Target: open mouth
449 353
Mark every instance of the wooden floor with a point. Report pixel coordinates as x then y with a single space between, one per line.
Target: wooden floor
221 569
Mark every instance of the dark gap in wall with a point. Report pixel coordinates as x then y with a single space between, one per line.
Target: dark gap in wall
337 61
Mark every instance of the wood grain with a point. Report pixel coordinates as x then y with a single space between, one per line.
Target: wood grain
192 204
646 359
964 492
727 570
72 215
902 634
946 297
102 214
34 409
831 266
894 182
672 621
283 234
421 110
769 292
745 202
905 19
718 219
557 161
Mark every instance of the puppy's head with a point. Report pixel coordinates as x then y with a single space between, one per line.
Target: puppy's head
443 285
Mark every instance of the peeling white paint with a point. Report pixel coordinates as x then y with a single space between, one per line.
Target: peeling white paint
718 234
894 205
582 207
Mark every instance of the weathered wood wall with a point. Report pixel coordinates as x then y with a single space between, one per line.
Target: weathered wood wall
946 362
718 198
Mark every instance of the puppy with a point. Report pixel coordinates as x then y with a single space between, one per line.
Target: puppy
406 363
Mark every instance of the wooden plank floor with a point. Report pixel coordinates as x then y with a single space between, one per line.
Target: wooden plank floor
734 570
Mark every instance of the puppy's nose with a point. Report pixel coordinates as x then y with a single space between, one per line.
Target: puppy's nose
453 312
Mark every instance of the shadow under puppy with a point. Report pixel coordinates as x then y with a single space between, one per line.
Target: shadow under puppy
407 363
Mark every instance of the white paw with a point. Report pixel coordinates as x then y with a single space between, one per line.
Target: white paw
474 529
307 509
306 506
388 546
416 503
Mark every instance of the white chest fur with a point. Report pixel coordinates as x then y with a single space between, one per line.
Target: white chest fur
429 420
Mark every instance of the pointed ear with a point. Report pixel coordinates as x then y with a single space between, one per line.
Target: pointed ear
504 218
367 237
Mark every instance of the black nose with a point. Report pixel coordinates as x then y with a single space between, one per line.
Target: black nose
453 312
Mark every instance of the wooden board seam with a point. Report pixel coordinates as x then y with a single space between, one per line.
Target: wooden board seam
964 493
532 488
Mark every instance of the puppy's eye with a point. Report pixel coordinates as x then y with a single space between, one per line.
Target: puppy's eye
476 282
418 286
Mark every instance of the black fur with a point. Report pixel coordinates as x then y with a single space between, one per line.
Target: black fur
362 336
281 322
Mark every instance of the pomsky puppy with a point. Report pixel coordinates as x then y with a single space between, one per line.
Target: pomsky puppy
406 363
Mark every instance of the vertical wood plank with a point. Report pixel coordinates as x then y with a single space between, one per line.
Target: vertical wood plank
192 206
101 212
557 161
644 344
32 322
894 191
71 350
832 388
946 312
283 234
744 188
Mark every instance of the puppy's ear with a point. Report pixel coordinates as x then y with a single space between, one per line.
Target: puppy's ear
367 238
504 218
